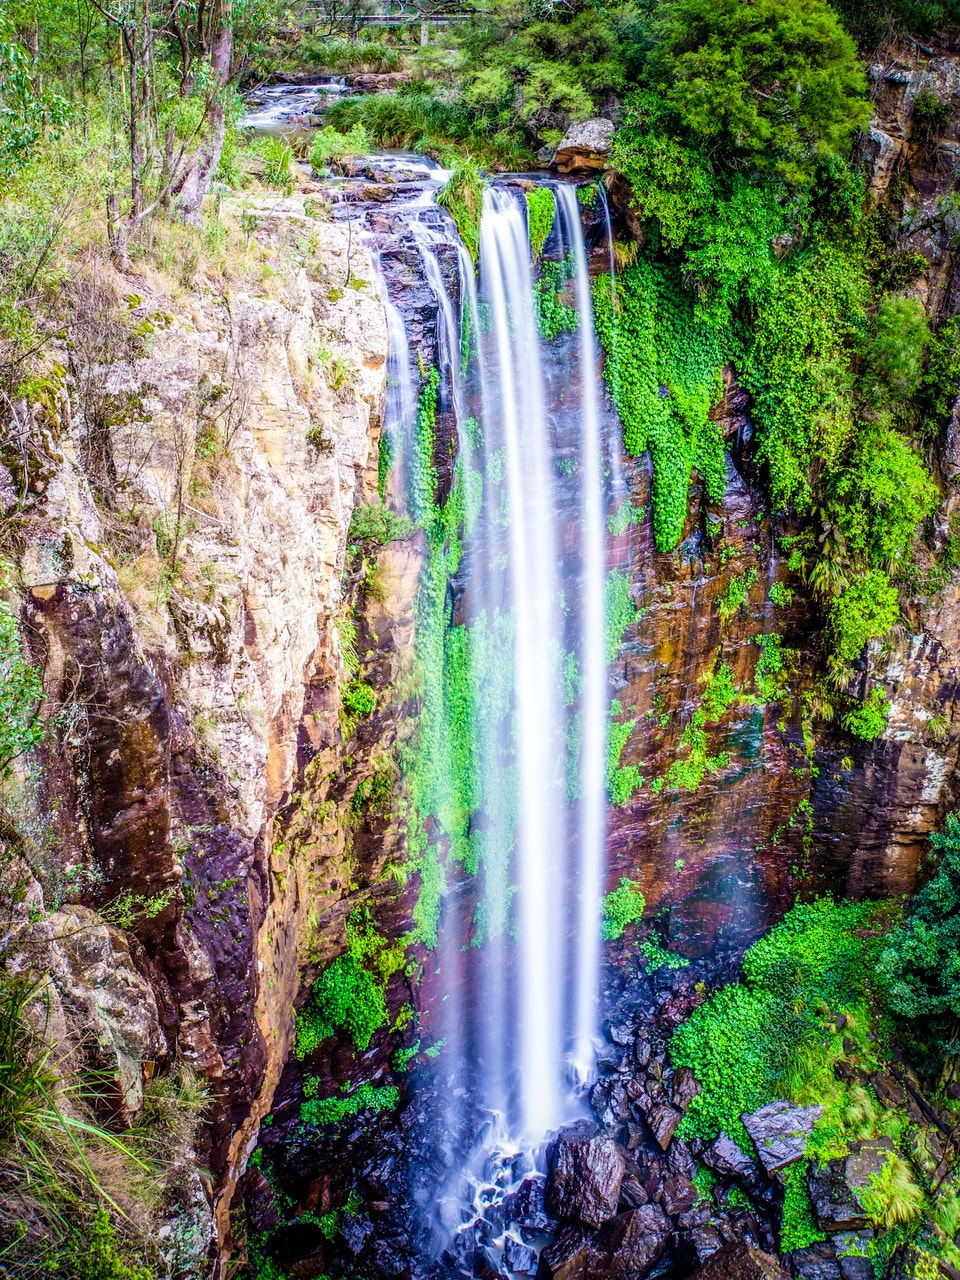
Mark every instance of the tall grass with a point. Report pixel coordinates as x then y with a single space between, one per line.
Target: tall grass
75 1198
416 119
338 55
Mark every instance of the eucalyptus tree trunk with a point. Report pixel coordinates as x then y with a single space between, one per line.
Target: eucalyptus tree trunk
193 181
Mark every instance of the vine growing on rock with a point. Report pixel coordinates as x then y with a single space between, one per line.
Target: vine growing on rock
541 209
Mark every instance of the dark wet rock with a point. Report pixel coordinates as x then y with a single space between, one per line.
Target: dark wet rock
835 1206
779 1132
486 1265
662 1118
834 1186
633 1193
855 1266
695 1245
621 1033
585 1171
356 1231
677 1195
680 1159
566 1257
818 1262
526 1206
642 1050
260 1201
628 1247
723 1156
684 1089
519 1257
740 1261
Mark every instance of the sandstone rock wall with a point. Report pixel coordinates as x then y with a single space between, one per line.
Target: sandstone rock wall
181 549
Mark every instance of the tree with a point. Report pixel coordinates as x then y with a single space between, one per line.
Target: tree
774 83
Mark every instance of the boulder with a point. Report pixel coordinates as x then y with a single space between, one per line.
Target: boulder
629 1247
740 1261
834 1186
662 1118
526 1206
817 1262
585 1171
584 147
779 1132
677 1195
566 1257
685 1088
723 1156
519 1257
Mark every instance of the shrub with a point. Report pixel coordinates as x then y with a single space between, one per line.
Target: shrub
776 83
330 146
359 699
462 196
869 719
368 1097
349 995
21 689
921 965
541 209
620 611
622 906
866 611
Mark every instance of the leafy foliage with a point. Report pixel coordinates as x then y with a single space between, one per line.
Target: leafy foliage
921 964
367 1097
462 195
744 1041
621 907
349 995
541 209
21 689
777 85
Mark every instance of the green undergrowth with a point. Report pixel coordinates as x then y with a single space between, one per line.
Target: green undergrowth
416 118
554 314
541 210
462 197
657 957
719 694
621 907
333 1111
810 1021
664 365
620 611
349 996
623 781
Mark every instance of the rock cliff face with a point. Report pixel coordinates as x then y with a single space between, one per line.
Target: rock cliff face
189 489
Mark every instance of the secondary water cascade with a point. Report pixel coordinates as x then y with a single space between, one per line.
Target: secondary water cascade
520 1003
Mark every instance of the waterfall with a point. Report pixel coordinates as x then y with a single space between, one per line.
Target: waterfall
519 943
592 815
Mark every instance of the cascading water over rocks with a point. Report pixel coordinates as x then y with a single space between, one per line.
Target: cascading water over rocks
519 1009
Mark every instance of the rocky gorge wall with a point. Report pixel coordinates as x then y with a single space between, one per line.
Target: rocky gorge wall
181 503
182 495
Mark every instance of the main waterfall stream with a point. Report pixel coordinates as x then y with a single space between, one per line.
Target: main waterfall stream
518 943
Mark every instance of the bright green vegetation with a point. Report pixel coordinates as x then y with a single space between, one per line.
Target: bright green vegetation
771 670
626 514
330 147
623 781
664 370
620 611
921 964
349 995
75 1198
750 1042
657 957
621 907
357 701
376 525
366 1097
823 988
869 719
541 210
554 315
737 593
21 689
462 197
421 117
423 469
719 694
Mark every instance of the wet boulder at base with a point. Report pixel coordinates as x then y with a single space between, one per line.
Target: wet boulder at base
740 1261
629 1247
585 1169
779 1131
